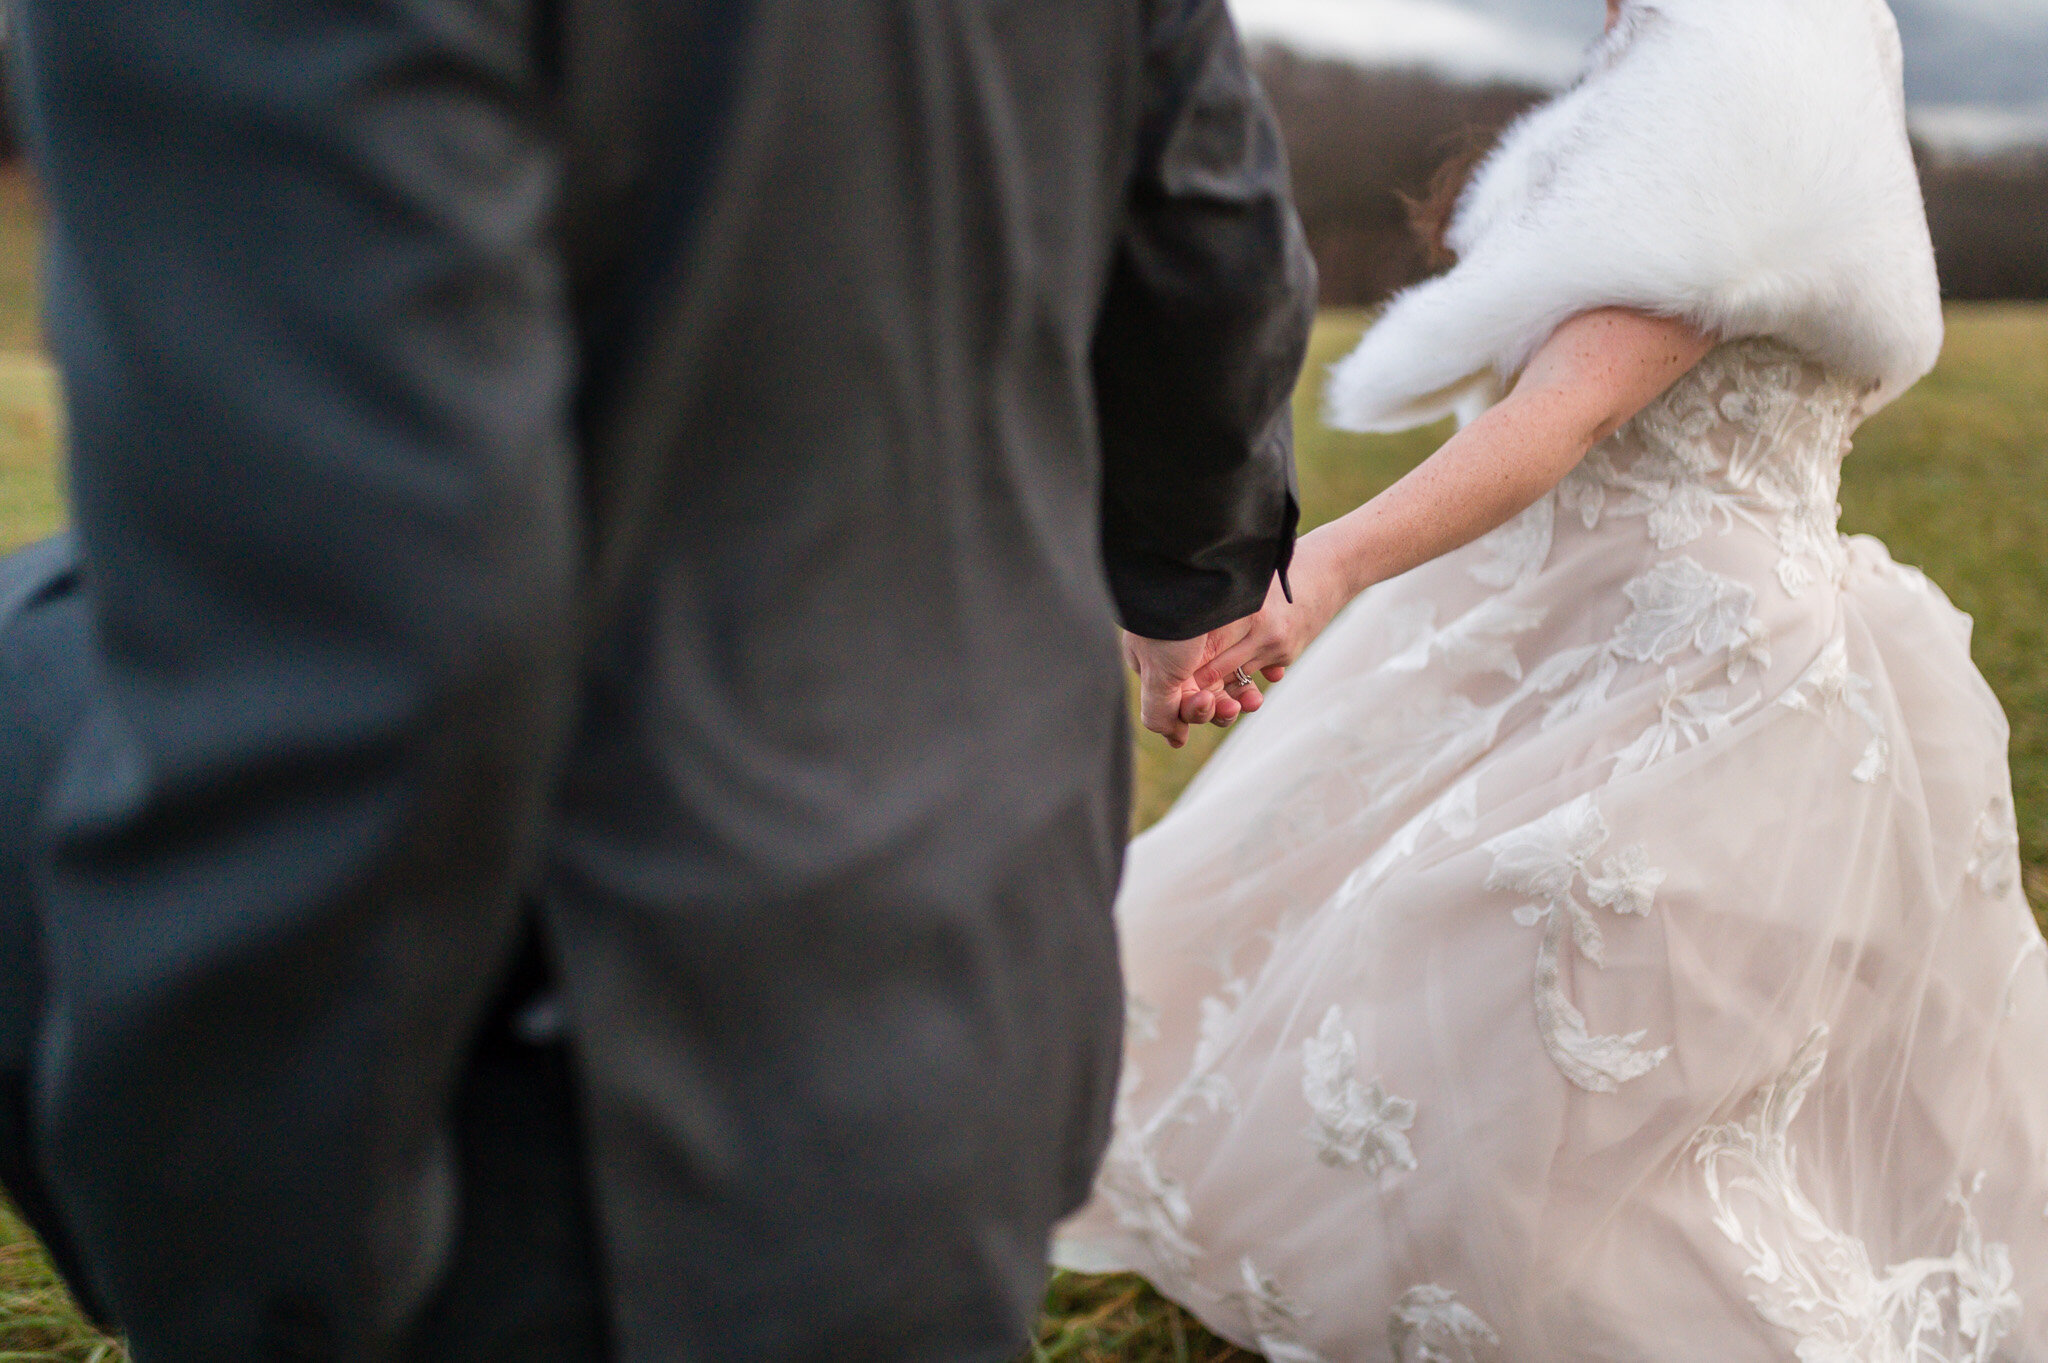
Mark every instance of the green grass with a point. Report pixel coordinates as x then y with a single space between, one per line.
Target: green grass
1954 478
37 1318
29 502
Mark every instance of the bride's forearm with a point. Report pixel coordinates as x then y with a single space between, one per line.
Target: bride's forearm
1480 479
1594 373
1598 371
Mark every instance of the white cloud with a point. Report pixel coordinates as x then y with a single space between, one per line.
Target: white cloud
1430 33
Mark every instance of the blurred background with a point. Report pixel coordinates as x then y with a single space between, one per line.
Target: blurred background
1374 93
1373 96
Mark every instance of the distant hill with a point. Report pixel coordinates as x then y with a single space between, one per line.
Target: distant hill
1360 138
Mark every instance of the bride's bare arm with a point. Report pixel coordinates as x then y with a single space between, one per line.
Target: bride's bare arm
1594 373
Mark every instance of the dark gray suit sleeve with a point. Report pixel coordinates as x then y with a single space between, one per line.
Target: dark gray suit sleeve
302 286
1201 338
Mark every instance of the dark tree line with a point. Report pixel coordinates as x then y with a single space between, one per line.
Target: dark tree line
1990 220
1362 139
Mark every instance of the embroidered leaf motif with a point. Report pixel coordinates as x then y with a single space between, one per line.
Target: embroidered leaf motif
1752 649
1542 859
1584 491
1829 687
1218 1014
1149 1204
1545 861
1518 550
1679 603
1995 855
1354 1127
1476 642
1679 514
1276 1322
1456 812
1734 442
1684 718
1627 883
1817 1282
1430 1325
1593 666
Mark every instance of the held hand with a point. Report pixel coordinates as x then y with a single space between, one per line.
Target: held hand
1195 682
1268 642
1170 700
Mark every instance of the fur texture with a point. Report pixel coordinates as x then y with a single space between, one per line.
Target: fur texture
1742 164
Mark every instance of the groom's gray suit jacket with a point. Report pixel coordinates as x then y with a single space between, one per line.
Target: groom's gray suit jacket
677 464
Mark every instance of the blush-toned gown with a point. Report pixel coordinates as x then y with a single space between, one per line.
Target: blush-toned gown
1607 945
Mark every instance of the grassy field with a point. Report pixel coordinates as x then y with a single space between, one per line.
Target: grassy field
1954 478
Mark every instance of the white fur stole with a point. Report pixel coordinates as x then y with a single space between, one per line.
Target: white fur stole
1740 164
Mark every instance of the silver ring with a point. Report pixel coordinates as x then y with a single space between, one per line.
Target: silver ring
1240 679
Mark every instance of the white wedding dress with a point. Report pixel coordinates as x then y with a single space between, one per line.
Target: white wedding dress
1606 946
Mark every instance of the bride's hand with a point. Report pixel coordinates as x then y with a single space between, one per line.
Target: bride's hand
1170 701
1268 642
1192 682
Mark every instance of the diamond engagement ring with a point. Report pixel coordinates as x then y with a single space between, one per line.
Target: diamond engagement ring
1240 679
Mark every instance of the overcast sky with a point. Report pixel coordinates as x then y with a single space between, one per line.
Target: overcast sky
1976 70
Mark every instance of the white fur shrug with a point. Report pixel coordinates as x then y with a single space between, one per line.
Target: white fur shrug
1741 164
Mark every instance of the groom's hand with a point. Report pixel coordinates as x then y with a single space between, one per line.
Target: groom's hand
1171 701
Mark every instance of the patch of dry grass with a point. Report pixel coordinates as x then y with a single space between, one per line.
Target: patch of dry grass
38 1321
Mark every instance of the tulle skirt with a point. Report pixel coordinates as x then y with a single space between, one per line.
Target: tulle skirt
1596 953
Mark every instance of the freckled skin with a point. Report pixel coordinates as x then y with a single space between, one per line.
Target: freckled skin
1594 373
1183 684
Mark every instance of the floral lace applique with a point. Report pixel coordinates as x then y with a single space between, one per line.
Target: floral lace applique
1149 1204
1627 883
1477 642
1816 1282
1355 1126
1370 761
1685 717
1545 860
1430 1325
1737 441
1518 550
1995 855
1829 686
1455 813
1276 1322
1401 750
1678 605
1141 1020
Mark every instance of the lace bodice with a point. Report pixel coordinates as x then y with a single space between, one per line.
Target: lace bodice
1752 438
